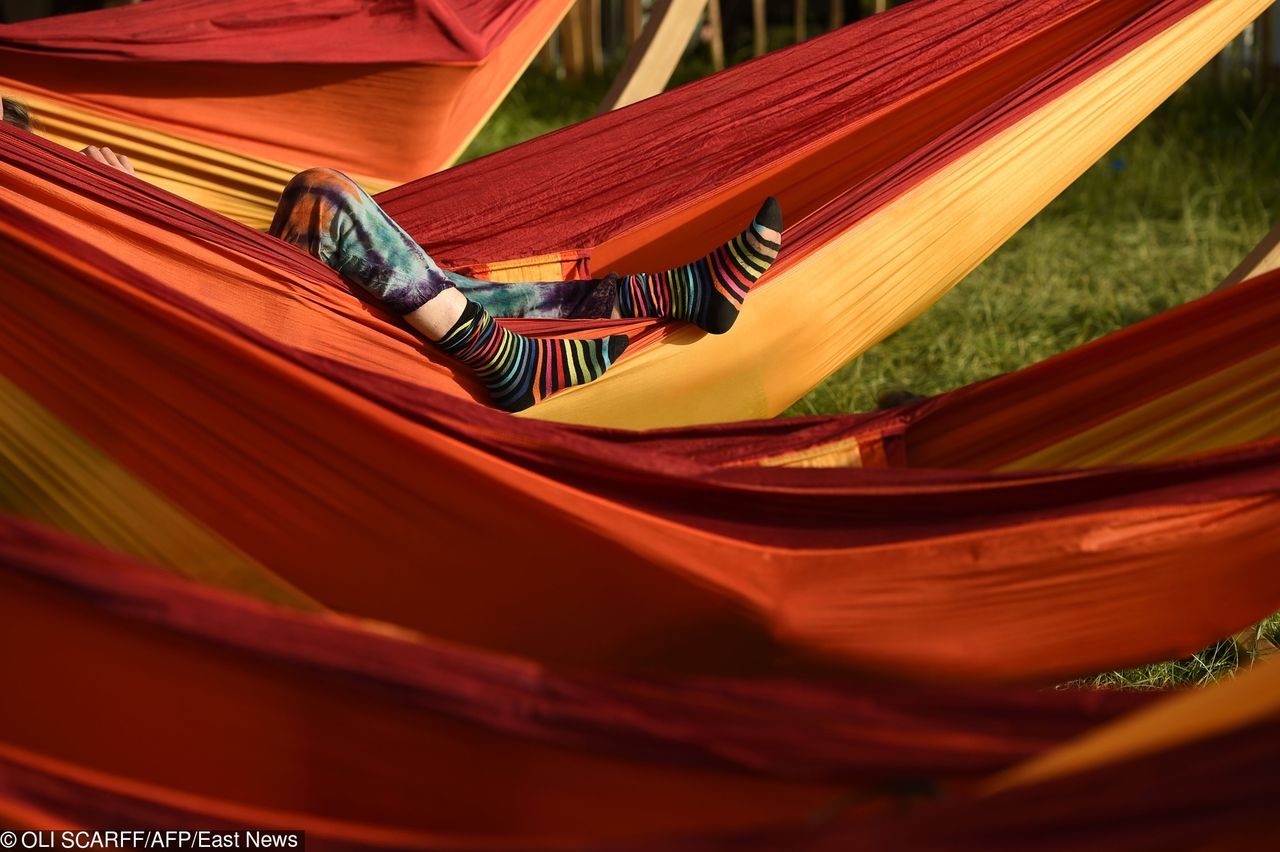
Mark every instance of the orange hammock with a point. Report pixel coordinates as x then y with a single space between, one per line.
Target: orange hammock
899 170
140 414
216 711
189 391
222 101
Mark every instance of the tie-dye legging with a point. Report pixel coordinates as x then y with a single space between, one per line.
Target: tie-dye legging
326 213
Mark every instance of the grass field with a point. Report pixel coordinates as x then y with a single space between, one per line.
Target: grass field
1158 221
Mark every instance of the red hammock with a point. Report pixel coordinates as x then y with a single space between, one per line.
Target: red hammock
722 562
222 101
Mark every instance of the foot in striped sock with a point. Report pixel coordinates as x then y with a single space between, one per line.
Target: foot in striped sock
708 292
520 371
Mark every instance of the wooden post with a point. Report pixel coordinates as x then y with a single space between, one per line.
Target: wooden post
1270 25
550 54
759 23
1264 258
837 14
573 42
595 38
717 34
881 5
655 54
634 13
802 19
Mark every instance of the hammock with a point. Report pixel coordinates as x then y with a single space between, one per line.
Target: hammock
174 414
369 736
1184 773
180 388
222 101
904 150
960 121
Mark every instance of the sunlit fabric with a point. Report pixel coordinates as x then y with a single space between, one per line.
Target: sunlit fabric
264 560
904 150
222 101
162 356
362 731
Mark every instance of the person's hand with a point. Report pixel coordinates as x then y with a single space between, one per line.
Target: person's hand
110 158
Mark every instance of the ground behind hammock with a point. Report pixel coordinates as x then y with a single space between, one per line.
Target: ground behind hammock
1159 220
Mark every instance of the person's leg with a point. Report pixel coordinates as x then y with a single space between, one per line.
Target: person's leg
708 292
591 298
329 215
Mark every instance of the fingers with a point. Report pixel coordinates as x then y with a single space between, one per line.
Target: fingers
110 158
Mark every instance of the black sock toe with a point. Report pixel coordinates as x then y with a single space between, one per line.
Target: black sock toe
617 345
770 214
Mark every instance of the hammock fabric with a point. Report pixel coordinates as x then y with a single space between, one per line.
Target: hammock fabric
189 391
173 414
904 149
1187 772
183 389
367 736
1207 795
222 101
366 733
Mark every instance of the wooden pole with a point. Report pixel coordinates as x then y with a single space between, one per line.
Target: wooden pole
656 52
802 20
634 13
595 38
573 42
837 14
758 22
1264 258
881 5
1270 25
551 52
717 34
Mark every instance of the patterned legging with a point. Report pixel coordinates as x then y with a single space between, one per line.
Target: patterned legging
326 213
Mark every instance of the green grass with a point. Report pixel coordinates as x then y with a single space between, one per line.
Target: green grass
1221 659
538 104
1158 221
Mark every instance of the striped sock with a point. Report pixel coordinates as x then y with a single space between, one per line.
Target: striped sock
708 292
520 371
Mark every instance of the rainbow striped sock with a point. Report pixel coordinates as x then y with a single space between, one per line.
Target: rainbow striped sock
520 371
708 292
